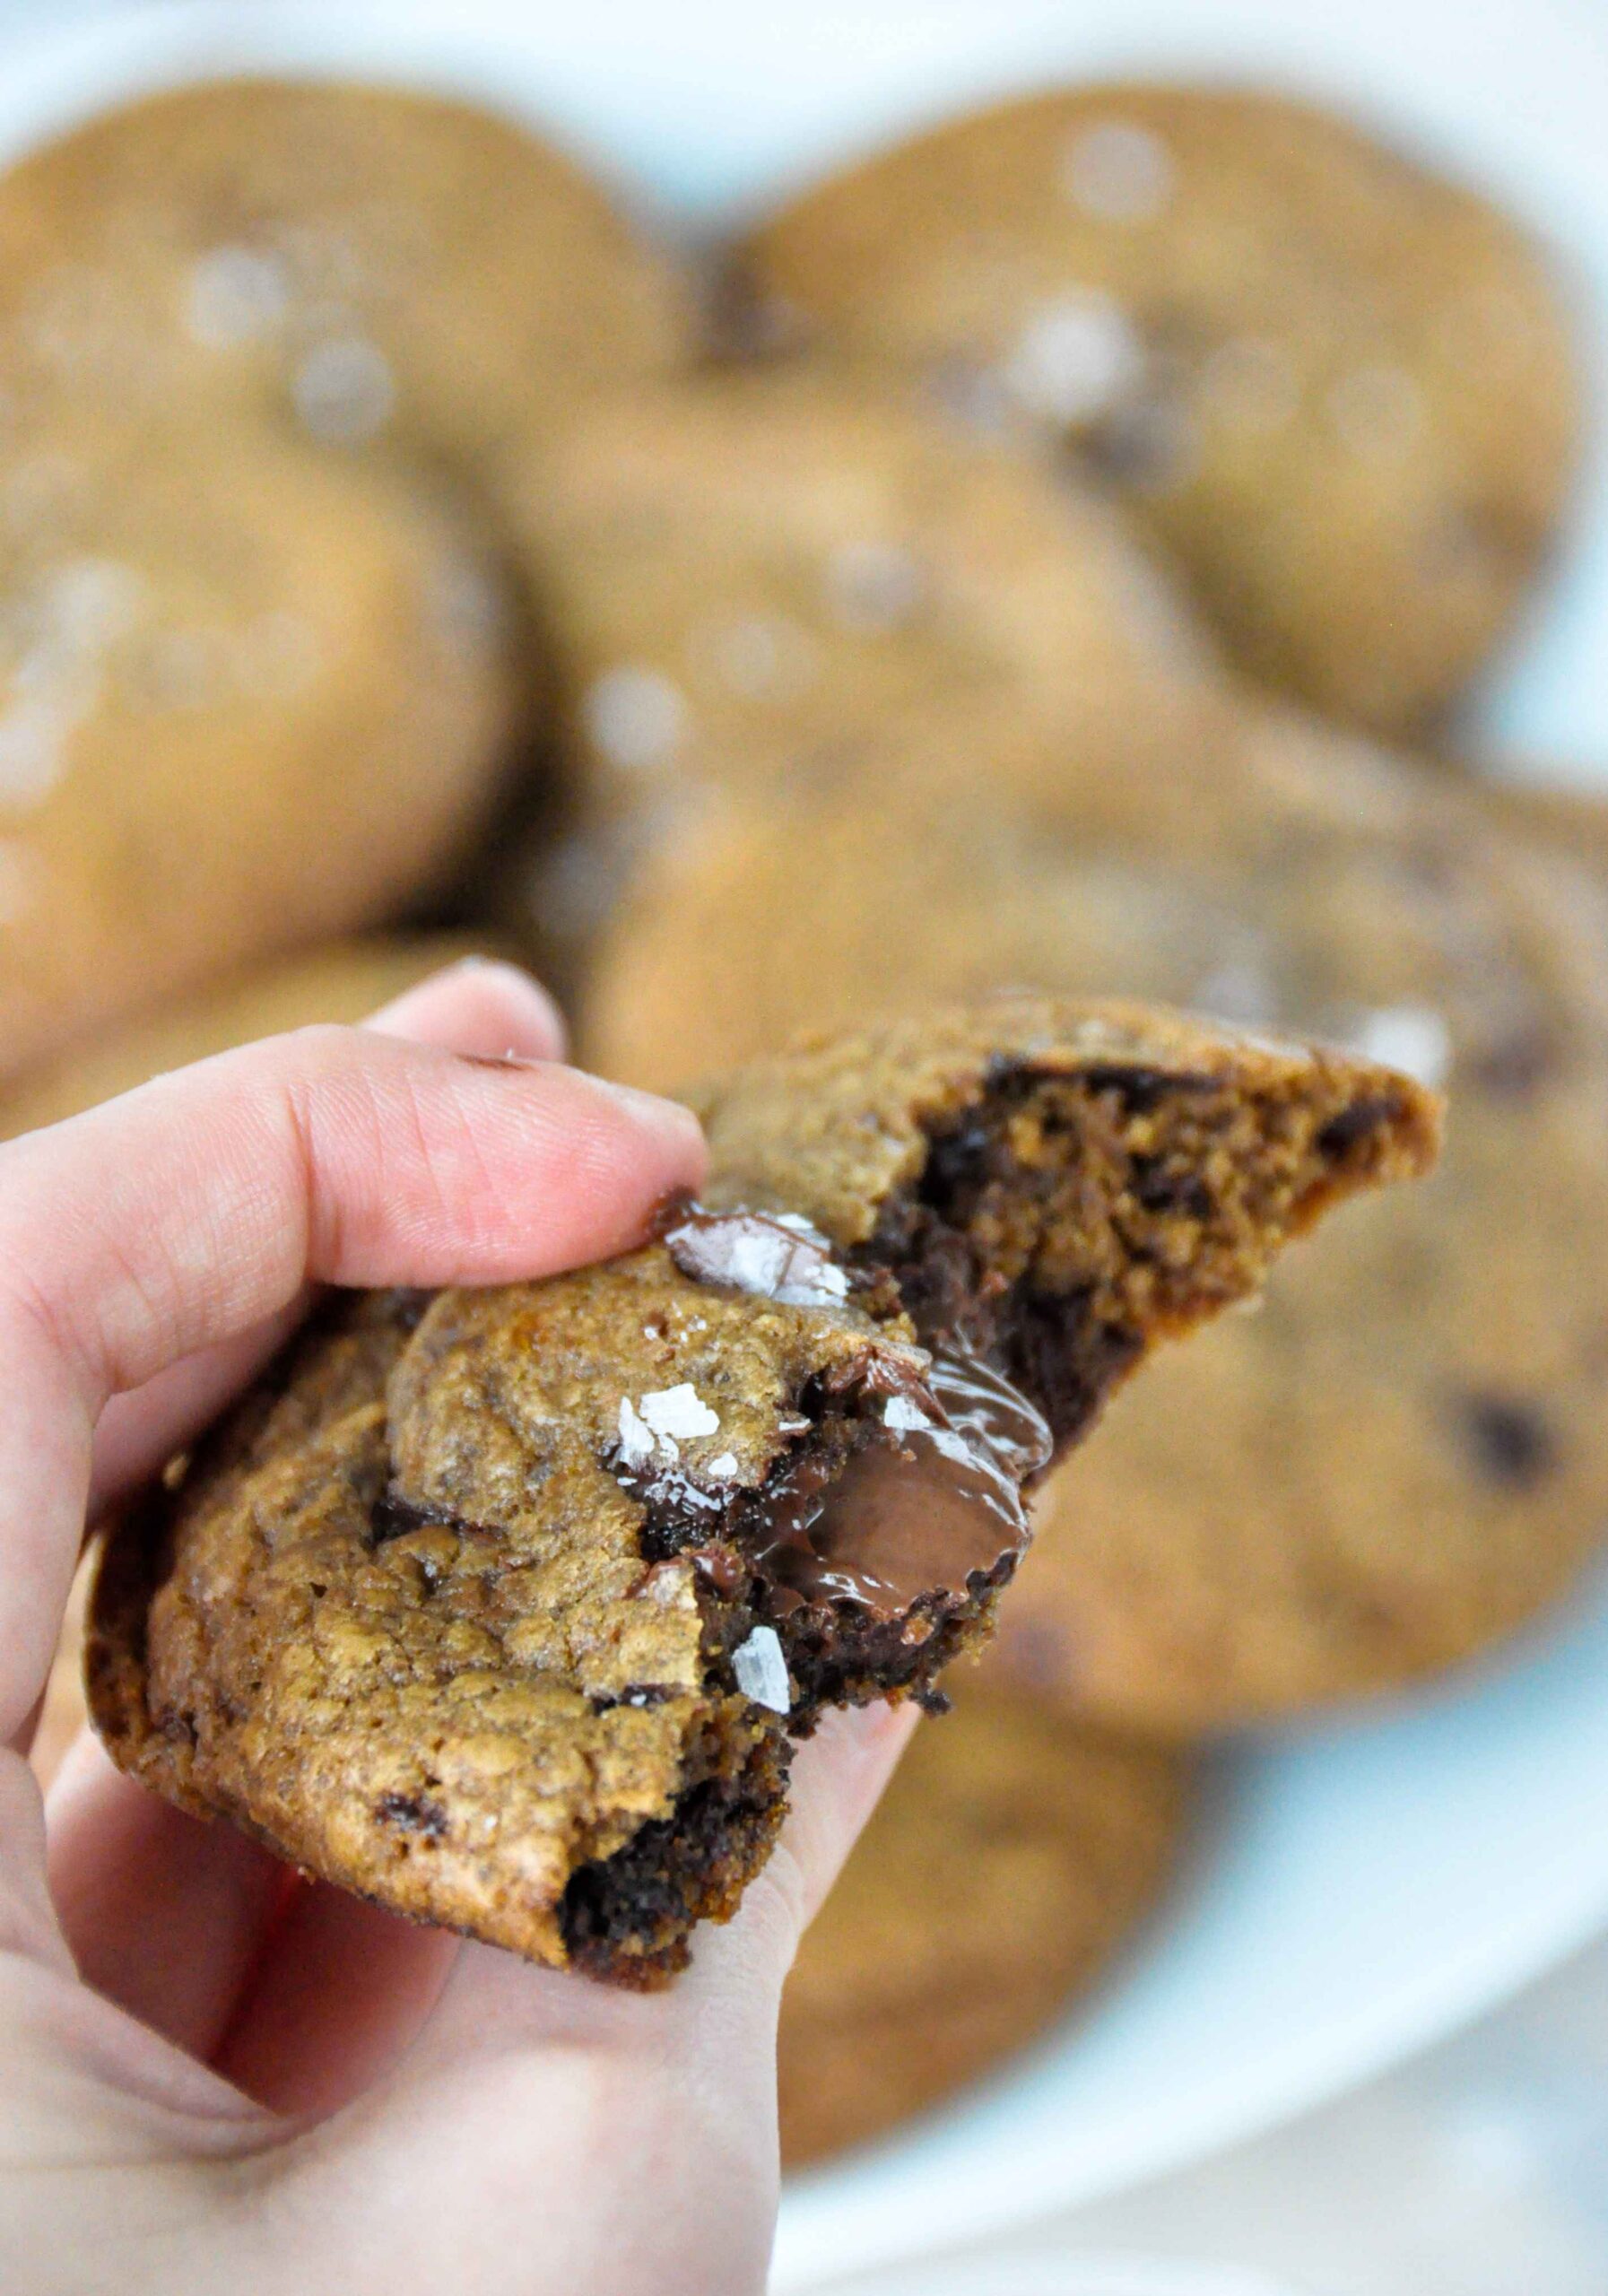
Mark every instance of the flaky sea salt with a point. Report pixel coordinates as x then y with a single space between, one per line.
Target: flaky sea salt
722 1467
1117 172
344 390
761 1671
873 585
635 716
1076 359
635 1437
904 1414
678 1413
233 295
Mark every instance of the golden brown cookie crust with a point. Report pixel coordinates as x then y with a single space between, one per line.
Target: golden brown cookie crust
452 1609
1336 385
758 582
363 263
254 698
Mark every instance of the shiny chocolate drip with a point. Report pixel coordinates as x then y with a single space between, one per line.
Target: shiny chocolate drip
930 1501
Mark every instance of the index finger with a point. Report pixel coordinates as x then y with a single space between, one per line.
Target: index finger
197 1206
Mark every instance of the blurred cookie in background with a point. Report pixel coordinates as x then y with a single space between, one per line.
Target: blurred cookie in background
1338 387
1009 1860
745 581
344 981
375 263
1404 1452
1569 816
247 699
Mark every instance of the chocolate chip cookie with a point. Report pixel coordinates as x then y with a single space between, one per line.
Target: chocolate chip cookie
248 698
1402 1456
369 262
1011 1855
342 981
500 1606
1336 385
746 584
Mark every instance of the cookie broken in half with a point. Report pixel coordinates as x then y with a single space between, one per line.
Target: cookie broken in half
502 1607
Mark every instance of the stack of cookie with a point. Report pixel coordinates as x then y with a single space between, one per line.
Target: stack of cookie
1016 574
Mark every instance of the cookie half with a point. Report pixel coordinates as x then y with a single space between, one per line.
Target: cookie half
1339 388
500 1608
1401 1457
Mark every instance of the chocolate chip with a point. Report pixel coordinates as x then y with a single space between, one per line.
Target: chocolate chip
1158 1189
1515 1067
1374 1113
412 1813
1511 1439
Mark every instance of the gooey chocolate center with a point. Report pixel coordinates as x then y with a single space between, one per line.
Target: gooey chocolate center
932 1500
929 1498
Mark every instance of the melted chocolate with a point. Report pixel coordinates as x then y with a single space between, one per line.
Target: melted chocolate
777 1256
932 1500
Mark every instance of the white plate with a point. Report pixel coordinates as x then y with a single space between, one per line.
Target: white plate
1362 1887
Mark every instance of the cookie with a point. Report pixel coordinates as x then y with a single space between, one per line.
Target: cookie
371 262
1338 388
498 1607
1564 817
343 981
247 699
744 582
1402 1456
1011 1855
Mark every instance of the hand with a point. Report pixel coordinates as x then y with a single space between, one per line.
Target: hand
219 2076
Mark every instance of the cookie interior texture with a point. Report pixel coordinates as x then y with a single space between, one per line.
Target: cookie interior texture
1011 1855
478 1605
1227 1550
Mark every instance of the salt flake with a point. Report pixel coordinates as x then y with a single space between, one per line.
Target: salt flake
679 1412
761 1671
904 1414
635 1437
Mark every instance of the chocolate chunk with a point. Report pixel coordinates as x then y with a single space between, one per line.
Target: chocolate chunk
1375 1113
1510 1438
412 1813
930 1501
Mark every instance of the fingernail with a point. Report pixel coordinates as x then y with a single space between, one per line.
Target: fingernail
524 983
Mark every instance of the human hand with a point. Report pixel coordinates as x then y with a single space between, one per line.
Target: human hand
218 2075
